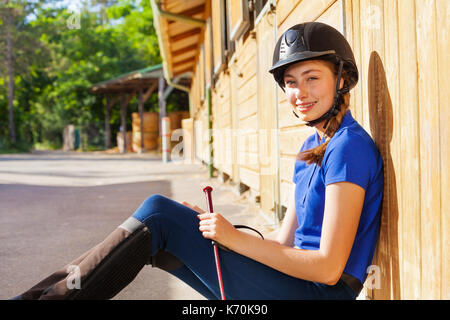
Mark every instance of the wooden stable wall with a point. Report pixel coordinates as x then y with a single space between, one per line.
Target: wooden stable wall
401 100
244 61
222 126
401 49
267 114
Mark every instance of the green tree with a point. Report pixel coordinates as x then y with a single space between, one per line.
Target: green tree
58 54
18 50
94 52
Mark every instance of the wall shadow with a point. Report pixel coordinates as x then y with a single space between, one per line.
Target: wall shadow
381 126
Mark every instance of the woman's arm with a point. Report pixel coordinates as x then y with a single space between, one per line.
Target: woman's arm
343 205
285 235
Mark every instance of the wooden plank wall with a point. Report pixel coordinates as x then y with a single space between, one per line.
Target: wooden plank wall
267 116
443 46
244 61
200 115
401 100
222 129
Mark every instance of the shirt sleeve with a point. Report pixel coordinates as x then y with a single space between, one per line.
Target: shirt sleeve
348 159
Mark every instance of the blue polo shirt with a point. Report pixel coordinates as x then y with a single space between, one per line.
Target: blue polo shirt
351 155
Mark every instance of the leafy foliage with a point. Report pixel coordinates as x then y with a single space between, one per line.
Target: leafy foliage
55 65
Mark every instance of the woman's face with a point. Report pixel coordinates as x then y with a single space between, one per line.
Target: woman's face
310 88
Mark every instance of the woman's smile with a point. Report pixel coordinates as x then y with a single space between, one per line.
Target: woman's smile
305 106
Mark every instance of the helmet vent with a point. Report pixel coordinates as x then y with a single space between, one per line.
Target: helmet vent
291 36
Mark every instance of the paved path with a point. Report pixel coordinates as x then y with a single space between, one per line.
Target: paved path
56 205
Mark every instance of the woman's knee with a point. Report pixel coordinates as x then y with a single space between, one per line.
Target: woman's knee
155 203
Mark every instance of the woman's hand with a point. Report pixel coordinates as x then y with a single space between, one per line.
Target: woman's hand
215 227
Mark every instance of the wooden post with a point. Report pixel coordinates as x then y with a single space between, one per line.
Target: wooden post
110 101
107 124
210 137
162 102
141 116
123 120
165 141
162 115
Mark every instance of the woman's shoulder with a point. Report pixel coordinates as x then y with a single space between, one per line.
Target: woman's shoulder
353 141
352 156
353 136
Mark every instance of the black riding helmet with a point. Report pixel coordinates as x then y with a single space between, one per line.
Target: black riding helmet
315 41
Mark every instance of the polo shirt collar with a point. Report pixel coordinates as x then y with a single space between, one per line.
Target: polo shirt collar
346 122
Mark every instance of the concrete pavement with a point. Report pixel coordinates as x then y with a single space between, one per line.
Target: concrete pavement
56 205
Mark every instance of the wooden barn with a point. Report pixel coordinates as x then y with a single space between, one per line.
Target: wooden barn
242 126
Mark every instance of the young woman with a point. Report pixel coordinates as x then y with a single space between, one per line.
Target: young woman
328 236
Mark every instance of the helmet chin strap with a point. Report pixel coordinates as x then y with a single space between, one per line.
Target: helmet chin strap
336 107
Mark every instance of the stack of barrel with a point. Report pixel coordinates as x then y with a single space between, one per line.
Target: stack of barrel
175 123
150 129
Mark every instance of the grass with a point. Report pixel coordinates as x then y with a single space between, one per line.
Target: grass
17 148
26 148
